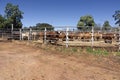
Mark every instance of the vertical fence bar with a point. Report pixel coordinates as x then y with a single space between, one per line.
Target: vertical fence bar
119 39
30 35
45 36
67 39
12 31
2 35
92 37
20 34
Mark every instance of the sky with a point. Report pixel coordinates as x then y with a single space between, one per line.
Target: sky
63 12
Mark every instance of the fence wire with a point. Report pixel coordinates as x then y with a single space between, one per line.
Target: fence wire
65 36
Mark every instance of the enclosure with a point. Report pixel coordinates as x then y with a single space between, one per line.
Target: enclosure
66 36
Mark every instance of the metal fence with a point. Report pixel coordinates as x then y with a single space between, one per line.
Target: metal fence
65 36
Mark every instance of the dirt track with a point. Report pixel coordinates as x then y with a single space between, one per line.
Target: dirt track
20 62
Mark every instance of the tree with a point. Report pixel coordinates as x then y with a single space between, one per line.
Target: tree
117 17
106 26
97 27
13 16
42 26
2 21
85 22
80 25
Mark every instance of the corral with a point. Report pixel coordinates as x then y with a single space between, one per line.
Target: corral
68 37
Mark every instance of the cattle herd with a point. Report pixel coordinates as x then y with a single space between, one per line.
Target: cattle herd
63 37
55 36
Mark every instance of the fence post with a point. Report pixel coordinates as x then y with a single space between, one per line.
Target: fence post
45 36
20 34
30 35
67 39
12 31
92 37
2 35
119 38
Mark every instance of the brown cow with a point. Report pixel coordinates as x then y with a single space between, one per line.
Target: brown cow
71 36
97 36
62 36
41 35
78 35
87 36
52 36
84 36
117 37
108 37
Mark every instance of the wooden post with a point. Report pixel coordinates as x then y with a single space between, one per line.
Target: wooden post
20 34
119 38
2 35
12 27
30 35
92 39
12 31
45 36
67 39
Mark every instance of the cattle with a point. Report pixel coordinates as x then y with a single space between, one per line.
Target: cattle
62 36
25 36
78 35
52 35
34 35
108 37
86 36
41 35
71 35
117 37
97 36
29 36
49 36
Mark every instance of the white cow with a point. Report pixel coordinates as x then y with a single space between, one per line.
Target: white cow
34 35
25 35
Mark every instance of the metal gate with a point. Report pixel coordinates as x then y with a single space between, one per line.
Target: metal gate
8 34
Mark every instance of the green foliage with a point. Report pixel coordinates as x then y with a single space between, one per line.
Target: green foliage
80 25
96 51
74 49
13 16
42 26
2 21
106 26
118 53
71 50
85 22
116 16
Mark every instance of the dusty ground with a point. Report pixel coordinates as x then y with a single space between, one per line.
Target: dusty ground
20 62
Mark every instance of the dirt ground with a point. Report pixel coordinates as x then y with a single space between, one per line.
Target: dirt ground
21 62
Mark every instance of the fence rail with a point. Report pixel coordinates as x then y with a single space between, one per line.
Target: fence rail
65 36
